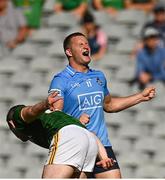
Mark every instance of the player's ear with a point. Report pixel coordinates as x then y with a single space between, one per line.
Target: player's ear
68 52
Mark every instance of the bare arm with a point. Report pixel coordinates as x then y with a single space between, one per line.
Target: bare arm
98 5
79 11
100 54
21 36
105 161
102 152
29 113
58 7
115 104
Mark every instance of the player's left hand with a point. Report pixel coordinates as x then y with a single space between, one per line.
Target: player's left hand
106 163
148 93
84 118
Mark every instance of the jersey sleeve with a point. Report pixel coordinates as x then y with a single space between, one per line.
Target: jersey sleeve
57 84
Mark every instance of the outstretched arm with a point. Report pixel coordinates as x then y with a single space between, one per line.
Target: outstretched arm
29 113
115 104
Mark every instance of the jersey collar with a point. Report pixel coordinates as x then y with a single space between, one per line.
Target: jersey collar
71 71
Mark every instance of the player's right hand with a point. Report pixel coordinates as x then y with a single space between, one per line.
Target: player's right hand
84 118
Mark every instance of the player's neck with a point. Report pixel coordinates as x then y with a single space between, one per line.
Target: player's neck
79 68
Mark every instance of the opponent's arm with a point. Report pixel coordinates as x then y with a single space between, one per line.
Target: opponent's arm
29 113
105 161
115 104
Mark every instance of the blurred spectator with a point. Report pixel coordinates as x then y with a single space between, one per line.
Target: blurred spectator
96 37
111 6
12 25
32 10
78 7
158 21
150 59
144 5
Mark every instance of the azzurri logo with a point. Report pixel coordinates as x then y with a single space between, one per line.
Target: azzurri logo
90 100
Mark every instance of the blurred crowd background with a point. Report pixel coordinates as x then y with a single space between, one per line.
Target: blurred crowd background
127 39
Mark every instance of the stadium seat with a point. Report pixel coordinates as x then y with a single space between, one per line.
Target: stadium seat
102 18
62 20
9 173
41 64
125 46
115 31
75 28
119 88
21 163
126 73
5 150
159 130
146 145
132 159
130 131
112 60
121 145
136 30
118 119
150 171
49 6
130 17
45 36
160 158
34 173
38 154
38 92
9 94
34 150
9 65
159 102
149 117
126 172
27 78
25 51
56 50
3 111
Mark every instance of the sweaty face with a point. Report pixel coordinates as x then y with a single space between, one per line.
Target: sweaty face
80 50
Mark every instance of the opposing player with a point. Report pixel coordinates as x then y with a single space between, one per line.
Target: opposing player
72 147
84 90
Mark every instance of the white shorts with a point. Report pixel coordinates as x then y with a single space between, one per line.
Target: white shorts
75 146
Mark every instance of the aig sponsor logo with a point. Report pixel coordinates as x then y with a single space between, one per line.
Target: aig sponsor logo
90 100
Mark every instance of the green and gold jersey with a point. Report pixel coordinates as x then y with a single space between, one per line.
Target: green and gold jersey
32 10
44 127
118 4
70 4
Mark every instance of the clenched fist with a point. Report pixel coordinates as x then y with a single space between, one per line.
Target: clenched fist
148 93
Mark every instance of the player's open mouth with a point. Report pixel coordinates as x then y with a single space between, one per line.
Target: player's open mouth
85 53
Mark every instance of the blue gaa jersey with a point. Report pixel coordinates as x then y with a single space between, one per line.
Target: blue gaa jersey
84 93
